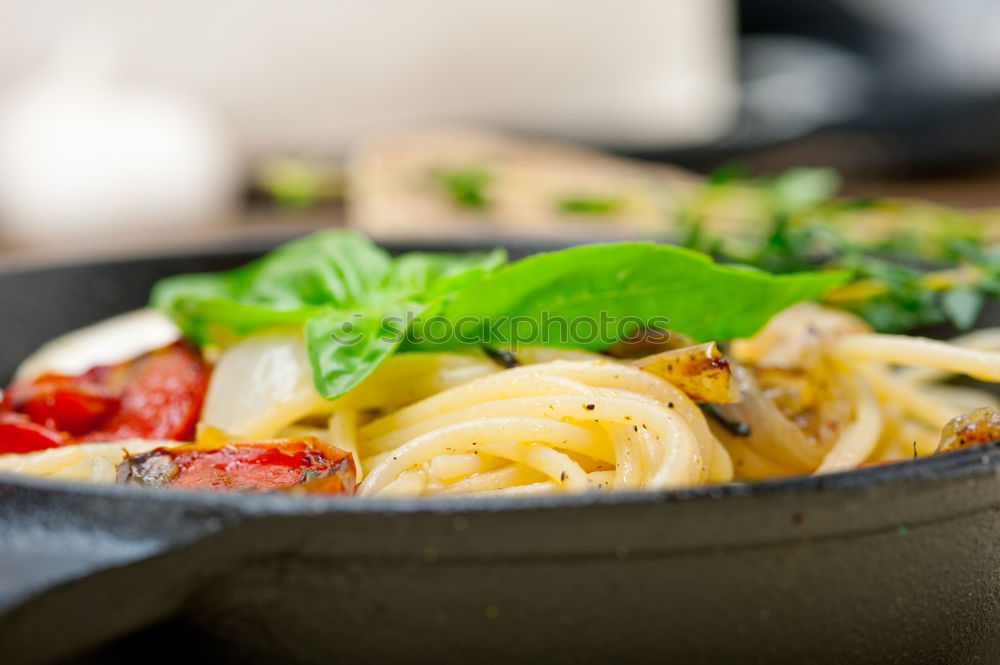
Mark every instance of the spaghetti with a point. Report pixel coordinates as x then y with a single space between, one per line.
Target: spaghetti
818 393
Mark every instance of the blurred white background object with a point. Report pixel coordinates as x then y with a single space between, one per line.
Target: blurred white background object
311 75
84 153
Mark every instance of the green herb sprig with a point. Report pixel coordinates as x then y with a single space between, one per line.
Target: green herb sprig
932 266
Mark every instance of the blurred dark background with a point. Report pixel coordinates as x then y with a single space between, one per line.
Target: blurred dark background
121 119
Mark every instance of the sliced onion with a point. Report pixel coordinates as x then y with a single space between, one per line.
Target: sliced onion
701 371
111 341
260 385
771 434
794 338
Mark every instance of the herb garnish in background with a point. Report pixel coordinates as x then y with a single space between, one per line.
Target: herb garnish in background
589 205
300 182
912 263
466 188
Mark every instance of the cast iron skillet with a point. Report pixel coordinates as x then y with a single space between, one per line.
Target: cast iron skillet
894 564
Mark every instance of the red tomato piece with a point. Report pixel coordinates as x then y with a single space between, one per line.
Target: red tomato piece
155 396
284 464
62 403
19 435
161 399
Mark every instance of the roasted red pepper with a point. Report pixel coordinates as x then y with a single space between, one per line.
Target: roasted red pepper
71 404
161 398
19 435
155 396
305 464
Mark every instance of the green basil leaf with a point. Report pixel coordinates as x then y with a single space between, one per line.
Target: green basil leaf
587 297
211 320
337 269
424 276
357 304
345 347
329 268
182 298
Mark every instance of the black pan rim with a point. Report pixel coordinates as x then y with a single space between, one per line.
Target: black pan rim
979 461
